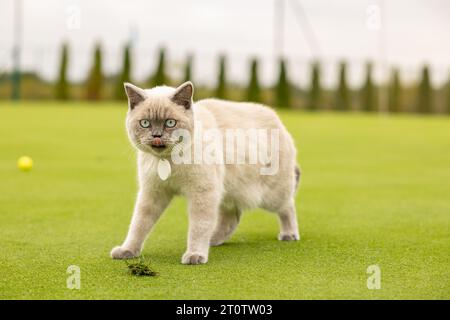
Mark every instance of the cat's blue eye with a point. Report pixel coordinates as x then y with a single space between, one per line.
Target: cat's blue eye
144 123
170 123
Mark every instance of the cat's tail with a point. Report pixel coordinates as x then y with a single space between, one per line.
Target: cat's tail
297 176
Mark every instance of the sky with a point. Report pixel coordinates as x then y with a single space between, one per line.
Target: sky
408 34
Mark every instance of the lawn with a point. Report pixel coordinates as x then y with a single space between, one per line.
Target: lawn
375 191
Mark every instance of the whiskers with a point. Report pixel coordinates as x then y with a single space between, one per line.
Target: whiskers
172 145
142 146
129 152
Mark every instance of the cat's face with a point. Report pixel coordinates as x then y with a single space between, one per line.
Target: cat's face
155 114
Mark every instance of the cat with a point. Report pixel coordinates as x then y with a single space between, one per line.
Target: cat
217 192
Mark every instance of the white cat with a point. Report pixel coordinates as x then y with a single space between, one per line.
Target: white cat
217 192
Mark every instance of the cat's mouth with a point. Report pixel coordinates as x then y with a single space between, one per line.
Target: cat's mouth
157 143
158 146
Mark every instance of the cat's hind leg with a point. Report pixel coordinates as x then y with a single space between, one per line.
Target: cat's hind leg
288 223
227 222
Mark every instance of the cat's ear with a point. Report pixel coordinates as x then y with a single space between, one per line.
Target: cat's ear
183 95
135 95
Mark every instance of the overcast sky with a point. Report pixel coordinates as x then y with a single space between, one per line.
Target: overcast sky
417 32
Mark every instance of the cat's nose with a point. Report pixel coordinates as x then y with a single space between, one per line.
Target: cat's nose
156 135
157 141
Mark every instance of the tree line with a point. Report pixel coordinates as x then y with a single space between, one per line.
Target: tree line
419 98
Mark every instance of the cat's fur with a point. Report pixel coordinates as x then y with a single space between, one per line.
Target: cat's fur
217 193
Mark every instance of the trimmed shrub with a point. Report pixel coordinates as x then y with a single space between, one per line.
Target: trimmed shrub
447 100
342 92
124 76
369 92
160 78
188 69
283 88
395 93
221 89
62 86
315 90
425 92
254 89
94 83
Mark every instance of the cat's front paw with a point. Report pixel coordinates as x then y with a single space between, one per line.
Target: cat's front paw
122 253
194 258
288 236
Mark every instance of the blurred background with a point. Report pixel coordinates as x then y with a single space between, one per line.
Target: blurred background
369 55
363 86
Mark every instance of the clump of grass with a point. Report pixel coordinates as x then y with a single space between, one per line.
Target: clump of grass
140 267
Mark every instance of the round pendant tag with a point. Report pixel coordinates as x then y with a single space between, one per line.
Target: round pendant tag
164 169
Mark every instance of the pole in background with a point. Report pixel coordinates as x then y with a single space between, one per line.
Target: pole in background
384 86
306 28
16 75
377 22
278 28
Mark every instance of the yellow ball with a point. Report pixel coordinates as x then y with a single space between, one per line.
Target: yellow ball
25 163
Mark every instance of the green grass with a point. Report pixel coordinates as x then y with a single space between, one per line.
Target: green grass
375 190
